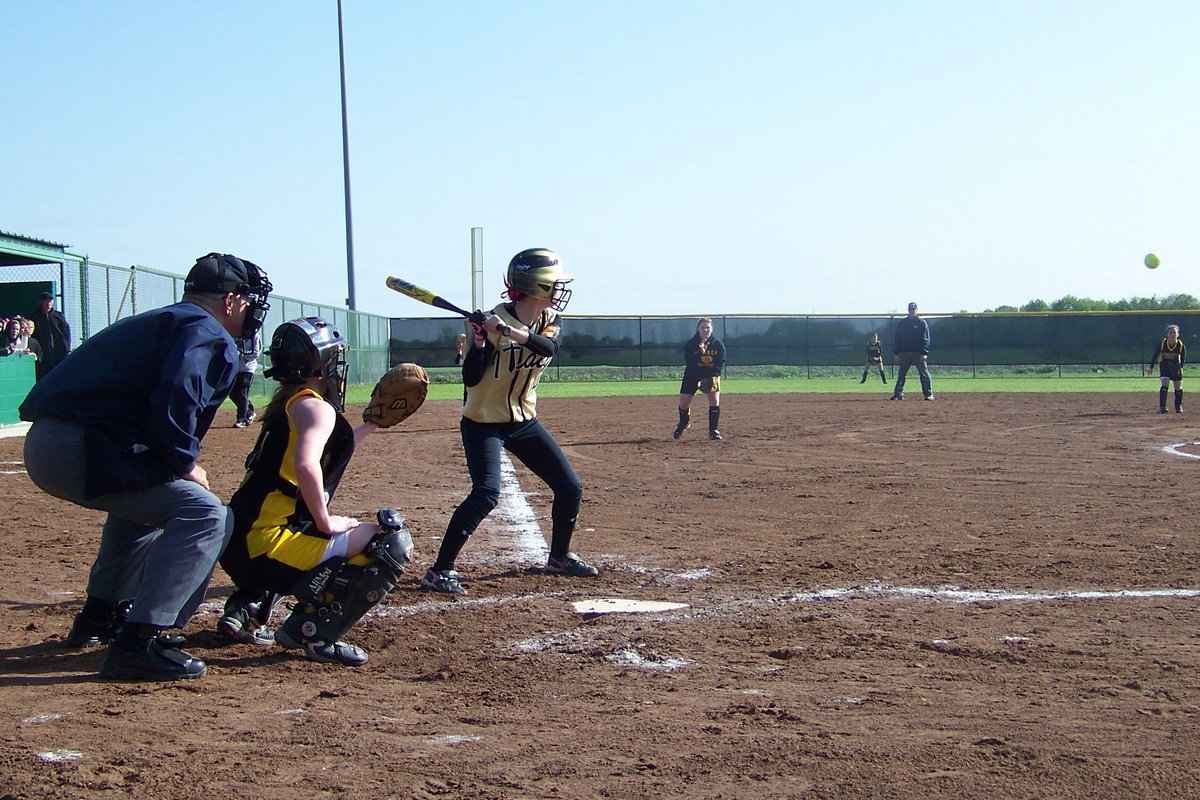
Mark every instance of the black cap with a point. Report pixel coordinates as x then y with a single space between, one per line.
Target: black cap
912 306
218 273
46 296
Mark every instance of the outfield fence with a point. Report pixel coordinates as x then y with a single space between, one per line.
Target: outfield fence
811 345
93 295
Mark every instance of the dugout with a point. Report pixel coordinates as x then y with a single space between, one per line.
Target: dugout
31 266
28 267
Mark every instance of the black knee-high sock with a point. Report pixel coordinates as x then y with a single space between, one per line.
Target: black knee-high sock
1162 398
1179 398
714 416
452 545
685 414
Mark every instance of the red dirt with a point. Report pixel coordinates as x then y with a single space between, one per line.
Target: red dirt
823 654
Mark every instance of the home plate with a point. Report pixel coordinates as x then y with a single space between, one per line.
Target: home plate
617 605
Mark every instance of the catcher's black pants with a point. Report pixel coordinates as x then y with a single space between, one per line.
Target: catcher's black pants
535 447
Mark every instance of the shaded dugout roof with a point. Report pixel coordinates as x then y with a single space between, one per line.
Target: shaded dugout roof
16 250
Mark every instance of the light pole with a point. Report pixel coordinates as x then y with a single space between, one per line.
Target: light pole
346 167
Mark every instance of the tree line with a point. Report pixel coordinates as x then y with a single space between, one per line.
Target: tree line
1172 302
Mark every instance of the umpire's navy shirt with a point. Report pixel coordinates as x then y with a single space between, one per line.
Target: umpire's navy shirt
912 336
154 379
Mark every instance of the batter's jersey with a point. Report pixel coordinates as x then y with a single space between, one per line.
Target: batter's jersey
268 509
507 392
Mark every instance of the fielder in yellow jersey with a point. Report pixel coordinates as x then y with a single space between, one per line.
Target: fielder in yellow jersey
1170 357
509 349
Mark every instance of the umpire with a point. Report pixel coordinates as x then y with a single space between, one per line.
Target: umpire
910 346
117 427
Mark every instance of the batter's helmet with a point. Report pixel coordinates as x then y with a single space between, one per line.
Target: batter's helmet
538 272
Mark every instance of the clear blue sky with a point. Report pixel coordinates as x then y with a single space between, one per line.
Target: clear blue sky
684 157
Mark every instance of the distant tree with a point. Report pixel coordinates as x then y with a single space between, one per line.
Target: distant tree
1181 302
1172 302
1073 303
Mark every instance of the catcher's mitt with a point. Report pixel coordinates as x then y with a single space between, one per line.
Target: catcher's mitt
712 384
397 396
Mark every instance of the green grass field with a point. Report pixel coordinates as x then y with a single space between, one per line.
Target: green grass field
942 385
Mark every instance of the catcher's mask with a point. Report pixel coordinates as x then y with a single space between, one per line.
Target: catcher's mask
538 272
221 273
310 348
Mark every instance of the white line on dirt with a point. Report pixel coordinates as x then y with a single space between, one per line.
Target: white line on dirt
1173 449
957 595
518 516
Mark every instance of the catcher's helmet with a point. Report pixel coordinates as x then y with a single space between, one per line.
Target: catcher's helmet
310 348
538 272
220 273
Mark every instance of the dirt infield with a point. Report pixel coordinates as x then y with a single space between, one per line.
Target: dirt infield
987 596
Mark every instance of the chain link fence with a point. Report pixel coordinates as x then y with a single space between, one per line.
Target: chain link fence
651 348
95 295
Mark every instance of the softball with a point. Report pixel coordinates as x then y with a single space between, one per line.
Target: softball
1152 261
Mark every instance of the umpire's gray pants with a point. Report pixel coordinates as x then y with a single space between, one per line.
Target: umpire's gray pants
903 362
159 544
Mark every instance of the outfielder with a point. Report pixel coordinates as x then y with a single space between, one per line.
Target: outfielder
1170 356
508 351
704 361
285 538
874 358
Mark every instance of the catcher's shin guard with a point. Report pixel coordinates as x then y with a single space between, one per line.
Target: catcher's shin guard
393 545
344 593
338 593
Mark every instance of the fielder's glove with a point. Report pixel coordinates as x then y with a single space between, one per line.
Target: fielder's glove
397 396
712 384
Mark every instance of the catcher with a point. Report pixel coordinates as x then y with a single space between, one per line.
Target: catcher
285 538
704 361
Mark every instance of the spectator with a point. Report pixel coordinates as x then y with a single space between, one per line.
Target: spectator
53 334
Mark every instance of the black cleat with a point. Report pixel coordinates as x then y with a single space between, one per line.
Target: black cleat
157 662
445 581
87 632
323 651
570 565
238 623
715 435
